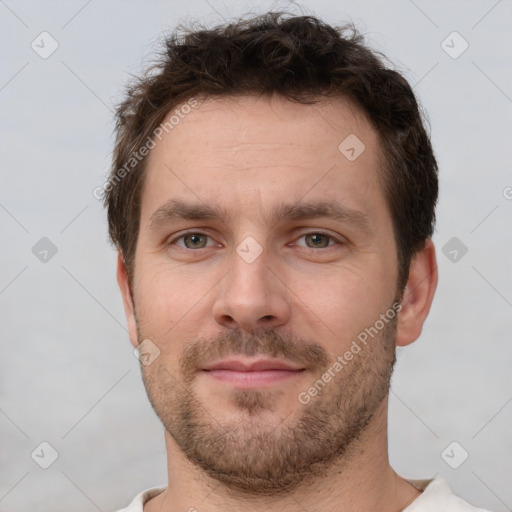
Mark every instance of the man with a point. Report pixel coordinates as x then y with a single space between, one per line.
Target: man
272 200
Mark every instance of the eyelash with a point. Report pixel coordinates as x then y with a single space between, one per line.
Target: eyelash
328 235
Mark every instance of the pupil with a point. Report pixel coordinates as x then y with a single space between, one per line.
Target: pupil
195 239
318 239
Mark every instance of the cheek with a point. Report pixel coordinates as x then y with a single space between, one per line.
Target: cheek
342 303
161 297
171 301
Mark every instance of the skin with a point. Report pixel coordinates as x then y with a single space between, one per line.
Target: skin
247 156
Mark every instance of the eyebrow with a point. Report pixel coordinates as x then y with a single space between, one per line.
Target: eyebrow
177 209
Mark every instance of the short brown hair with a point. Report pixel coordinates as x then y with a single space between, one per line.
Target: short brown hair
303 59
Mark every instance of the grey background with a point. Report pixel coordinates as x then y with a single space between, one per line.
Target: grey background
67 372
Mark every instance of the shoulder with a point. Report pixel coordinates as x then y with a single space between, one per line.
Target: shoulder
137 505
436 497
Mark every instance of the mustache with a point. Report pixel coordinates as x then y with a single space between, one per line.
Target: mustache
262 342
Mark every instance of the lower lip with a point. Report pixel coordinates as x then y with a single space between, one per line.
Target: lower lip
252 379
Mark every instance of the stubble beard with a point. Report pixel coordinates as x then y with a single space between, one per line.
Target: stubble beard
264 453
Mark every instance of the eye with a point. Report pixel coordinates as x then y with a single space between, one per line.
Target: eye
192 241
318 240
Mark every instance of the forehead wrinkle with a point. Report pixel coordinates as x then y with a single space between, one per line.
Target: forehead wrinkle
249 145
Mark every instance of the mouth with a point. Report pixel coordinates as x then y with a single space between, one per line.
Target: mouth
247 373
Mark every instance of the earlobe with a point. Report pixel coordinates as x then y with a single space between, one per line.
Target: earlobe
126 292
418 295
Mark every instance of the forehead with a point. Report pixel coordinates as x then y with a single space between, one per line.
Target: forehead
238 151
230 125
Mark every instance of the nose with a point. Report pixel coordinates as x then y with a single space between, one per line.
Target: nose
251 296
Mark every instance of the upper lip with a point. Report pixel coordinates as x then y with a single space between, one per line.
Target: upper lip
240 365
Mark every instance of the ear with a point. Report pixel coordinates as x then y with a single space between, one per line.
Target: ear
418 295
124 286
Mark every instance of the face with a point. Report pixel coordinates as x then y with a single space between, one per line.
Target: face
265 274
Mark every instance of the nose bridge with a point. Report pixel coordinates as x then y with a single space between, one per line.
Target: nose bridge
250 295
249 275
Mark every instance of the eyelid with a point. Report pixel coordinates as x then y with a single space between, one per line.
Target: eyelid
178 236
338 239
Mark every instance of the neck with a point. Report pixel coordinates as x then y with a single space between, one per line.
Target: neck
361 481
